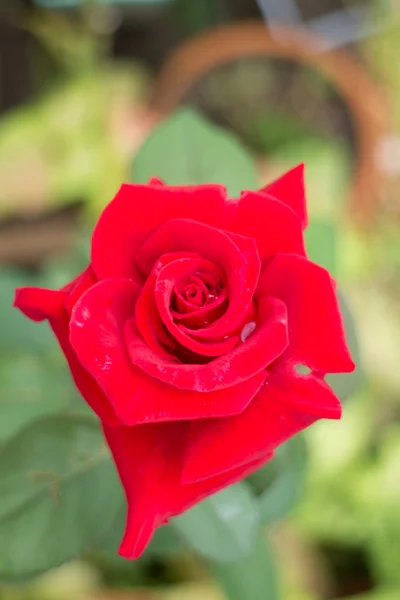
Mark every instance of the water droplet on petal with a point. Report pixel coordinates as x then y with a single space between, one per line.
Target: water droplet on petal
247 331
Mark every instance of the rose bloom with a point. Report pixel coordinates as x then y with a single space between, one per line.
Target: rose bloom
185 333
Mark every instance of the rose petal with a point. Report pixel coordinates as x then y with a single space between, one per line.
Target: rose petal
186 235
156 181
275 227
149 460
239 312
77 287
316 333
96 333
148 319
205 314
290 190
240 364
166 280
137 210
237 256
39 304
274 416
144 462
311 394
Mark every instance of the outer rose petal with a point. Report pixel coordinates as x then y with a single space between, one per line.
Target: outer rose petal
96 334
75 289
275 415
155 181
149 460
290 190
137 210
316 333
146 464
275 227
245 361
40 304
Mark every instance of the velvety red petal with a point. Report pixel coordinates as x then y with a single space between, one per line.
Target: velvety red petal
310 393
192 493
137 210
240 302
148 319
185 235
259 350
149 460
147 316
275 227
275 415
156 181
241 265
202 316
316 334
290 190
77 287
166 280
40 304
149 323
96 334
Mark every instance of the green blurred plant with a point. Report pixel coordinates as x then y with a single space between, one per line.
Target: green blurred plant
66 144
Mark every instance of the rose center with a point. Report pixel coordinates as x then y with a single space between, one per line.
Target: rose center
196 291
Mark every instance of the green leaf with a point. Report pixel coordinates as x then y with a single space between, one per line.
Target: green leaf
279 498
345 384
253 578
223 527
58 492
264 476
187 150
31 387
321 243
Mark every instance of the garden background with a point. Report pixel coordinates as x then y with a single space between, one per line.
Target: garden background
235 91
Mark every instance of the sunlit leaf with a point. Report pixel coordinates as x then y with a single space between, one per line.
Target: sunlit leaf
187 150
284 492
224 526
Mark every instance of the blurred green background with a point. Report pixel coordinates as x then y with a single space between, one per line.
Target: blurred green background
78 116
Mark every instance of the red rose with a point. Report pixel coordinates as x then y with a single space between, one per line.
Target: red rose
184 333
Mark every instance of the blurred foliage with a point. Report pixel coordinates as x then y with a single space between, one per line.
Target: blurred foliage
59 4
73 144
223 527
198 149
